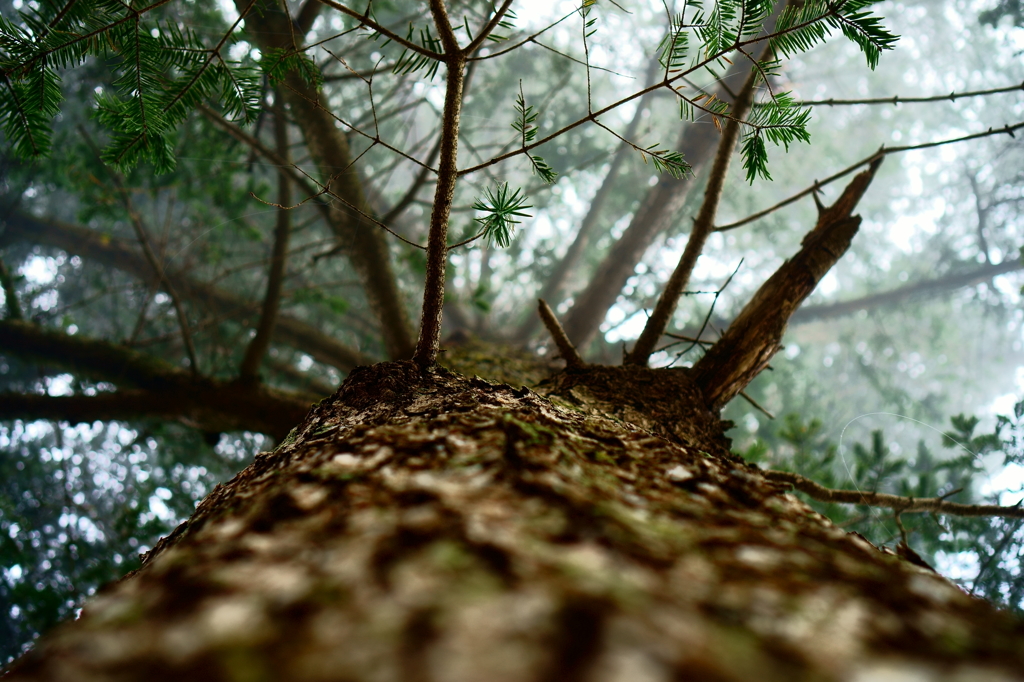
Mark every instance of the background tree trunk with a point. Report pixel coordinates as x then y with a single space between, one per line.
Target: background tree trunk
420 525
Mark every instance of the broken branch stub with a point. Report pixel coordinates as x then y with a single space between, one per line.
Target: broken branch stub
756 334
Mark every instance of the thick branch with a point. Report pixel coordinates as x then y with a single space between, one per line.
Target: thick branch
756 334
363 242
901 505
257 348
102 250
216 408
10 295
668 301
157 389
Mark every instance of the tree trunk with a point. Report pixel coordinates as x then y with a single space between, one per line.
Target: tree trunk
420 525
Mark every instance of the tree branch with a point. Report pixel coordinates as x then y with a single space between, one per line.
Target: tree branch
901 505
883 151
10 295
896 99
257 348
447 177
366 246
156 389
118 254
756 334
950 282
668 301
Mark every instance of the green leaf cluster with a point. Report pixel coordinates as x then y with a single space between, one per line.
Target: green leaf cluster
780 121
411 61
523 124
803 25
501 207
162 72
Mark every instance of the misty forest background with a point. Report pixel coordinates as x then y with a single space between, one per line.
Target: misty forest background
861 396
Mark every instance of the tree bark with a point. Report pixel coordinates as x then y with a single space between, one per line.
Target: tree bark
423 526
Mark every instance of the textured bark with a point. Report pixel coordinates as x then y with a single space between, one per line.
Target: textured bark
756 334
364 242
101 249
421 525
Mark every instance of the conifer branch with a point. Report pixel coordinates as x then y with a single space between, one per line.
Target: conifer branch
882 152
365 20
898 503
668 301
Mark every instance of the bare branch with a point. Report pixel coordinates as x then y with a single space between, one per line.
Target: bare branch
901 505
572 357
257 348
883 151
702 228
896 99
756 333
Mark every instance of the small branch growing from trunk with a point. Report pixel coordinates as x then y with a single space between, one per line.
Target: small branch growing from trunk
572 357
703 226
257 349
901 505
447 176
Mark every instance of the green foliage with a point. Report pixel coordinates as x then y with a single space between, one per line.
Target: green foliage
501 207
780 121
278 63
162 72
411 61
992 546
523 124
803 25
667 161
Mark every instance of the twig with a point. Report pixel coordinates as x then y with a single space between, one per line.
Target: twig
140 233
755 405
896 99
898 503
572 357
883 151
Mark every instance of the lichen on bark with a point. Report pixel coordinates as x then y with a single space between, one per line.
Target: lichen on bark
422 525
